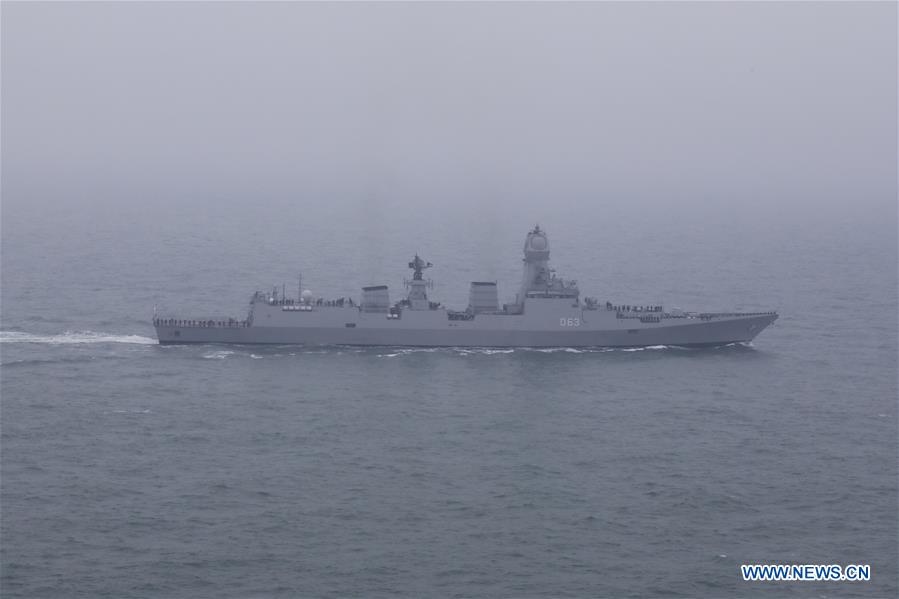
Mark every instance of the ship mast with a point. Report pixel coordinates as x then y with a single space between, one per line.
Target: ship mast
418 265
418 297
536 263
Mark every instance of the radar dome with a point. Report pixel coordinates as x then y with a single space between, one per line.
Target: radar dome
307 296
538 242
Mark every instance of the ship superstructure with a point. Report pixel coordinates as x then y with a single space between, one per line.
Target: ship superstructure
547 311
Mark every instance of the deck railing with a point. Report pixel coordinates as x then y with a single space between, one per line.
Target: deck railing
643 317
206 323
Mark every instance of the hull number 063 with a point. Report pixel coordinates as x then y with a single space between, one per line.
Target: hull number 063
569 322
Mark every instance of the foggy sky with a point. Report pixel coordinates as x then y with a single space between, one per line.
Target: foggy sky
450 102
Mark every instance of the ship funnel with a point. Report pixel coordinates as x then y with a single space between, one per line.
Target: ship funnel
375 299
482 297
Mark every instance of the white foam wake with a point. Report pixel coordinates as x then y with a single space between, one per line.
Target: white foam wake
73 337
644 348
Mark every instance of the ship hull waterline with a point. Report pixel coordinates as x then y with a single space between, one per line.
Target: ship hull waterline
710 333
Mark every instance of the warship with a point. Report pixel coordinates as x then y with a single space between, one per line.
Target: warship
547 311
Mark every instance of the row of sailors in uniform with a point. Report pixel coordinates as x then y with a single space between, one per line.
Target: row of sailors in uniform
609 306
174 322
338 303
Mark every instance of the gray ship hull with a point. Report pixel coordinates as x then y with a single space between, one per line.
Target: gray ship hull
707 331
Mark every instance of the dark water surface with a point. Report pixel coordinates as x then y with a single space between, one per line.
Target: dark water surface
134 470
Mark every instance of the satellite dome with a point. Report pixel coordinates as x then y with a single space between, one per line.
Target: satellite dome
538 242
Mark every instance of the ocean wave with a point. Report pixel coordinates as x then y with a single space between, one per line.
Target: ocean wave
484 351
488 351
569 350
402 351
42 361
647 347
74 337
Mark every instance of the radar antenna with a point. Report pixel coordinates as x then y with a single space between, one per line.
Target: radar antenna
418 265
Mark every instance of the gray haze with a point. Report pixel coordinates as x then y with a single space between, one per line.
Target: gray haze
402 105
709 156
